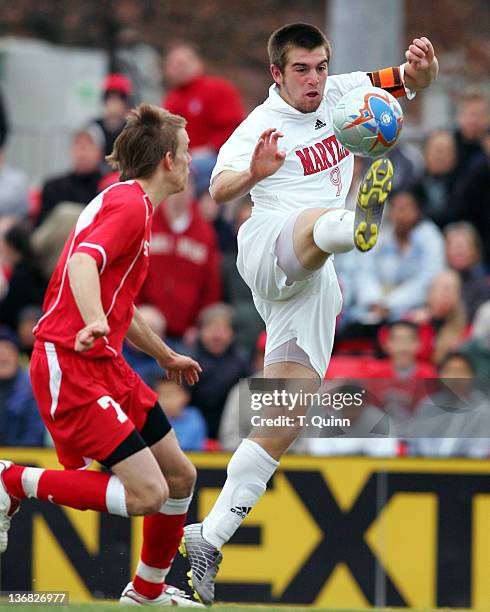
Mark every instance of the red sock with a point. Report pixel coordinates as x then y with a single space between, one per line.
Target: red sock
161 537
83 490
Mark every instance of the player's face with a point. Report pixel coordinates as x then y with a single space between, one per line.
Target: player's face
303 79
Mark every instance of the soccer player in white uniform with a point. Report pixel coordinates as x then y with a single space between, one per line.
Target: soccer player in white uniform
286 155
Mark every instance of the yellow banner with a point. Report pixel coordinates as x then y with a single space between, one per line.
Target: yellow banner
330 532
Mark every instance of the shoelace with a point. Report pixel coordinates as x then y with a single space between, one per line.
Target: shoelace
171 590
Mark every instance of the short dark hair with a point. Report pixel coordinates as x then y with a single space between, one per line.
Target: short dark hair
404 323
416 192
456 355
302 35
149 134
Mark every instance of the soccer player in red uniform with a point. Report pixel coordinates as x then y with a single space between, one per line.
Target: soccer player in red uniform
93 404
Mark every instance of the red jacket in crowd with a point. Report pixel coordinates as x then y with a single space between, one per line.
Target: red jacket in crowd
401 393
184 273
212 107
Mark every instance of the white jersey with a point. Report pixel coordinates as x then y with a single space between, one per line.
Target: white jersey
317 170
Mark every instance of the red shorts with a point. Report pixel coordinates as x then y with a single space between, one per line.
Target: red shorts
88 405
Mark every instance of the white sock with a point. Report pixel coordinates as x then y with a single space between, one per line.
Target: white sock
334 231
30 480
151 574
249 470
116 497
176 506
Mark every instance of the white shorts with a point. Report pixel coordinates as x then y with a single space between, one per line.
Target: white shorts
305 309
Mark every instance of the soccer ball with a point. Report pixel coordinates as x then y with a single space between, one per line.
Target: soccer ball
367 121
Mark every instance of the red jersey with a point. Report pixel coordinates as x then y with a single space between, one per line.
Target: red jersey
212 107
184 274
114 229
402 394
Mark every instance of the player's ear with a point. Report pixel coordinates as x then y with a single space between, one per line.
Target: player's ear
276 74
168 161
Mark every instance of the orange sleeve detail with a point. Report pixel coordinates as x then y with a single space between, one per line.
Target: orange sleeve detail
389 79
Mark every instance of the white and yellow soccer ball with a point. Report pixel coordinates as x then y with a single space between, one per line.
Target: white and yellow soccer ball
367 121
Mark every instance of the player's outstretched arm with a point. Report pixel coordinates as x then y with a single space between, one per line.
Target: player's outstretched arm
85 286
421 67
266 159
178 367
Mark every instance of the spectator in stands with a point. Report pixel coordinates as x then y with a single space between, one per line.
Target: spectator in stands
116 94
235 423
49 238
211 105
215 214
464 255
144 365
473 123
81 183
20 423
27 283
477 348
14 189
402 346
399 385
393 278
451 421
187 421
408 164
184 273
474 194
236 292
28 318
437 184
444 314
222 361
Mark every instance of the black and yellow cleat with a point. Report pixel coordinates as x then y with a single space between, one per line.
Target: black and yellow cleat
204 559
371 198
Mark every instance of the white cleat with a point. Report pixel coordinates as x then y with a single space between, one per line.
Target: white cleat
171 596
8 507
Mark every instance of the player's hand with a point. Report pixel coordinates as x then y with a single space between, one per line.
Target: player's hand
422 65
88 335
180 367
266 158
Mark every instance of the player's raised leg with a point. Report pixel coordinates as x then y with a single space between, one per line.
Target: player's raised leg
162 531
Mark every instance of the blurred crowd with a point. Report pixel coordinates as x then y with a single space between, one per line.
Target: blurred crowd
417 307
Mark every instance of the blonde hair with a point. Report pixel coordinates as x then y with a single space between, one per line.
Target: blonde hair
149 134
